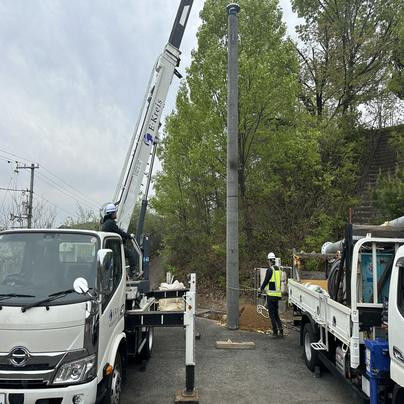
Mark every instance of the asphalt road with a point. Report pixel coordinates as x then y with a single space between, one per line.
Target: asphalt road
272 373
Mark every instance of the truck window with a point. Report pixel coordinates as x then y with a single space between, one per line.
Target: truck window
111 279
42 263
11 258
76 252
400 290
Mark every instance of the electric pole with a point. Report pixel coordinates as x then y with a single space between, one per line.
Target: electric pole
232 253
31 167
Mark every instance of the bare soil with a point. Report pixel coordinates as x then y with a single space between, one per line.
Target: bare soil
250 320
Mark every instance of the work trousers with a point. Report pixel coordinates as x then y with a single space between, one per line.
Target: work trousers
273 310
131 256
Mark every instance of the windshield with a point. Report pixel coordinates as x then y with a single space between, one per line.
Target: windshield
35 265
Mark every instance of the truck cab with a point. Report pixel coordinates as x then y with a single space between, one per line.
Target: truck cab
54 332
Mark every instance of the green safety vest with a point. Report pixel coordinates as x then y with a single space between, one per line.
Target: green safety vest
274 285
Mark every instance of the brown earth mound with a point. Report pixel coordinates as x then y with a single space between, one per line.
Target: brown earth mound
250 320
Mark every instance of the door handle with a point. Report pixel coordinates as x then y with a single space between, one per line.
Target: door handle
398 354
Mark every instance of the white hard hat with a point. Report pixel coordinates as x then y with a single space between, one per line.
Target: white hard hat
110 208
271 256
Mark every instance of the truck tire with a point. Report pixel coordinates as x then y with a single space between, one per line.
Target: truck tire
310 355
398 395
113 394
147 349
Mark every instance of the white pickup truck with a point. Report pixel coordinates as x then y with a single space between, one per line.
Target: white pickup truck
348 330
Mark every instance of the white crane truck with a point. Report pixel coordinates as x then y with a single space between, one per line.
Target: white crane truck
356 328
69 315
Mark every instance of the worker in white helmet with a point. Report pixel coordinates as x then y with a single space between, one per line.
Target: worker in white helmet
272 288
109 225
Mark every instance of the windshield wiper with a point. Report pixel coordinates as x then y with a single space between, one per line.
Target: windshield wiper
50 298
4 296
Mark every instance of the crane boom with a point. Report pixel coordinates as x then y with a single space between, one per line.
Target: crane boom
146 132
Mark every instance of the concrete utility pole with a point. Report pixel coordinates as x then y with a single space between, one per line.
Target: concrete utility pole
232 255
31 167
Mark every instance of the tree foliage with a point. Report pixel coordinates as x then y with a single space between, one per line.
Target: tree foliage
286 180
388 196
397 80
298 174
346 53
85 219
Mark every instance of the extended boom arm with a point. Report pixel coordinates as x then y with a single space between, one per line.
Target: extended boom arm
146 133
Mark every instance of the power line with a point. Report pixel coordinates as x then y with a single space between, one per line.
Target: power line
67 192
81 196
13 173
56 186
50 182
53 204
74 189
15 155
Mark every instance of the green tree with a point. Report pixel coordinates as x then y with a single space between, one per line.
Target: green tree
346 53
397 80
284 177
388 196
85 219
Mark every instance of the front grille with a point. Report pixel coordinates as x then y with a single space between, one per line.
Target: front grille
22 384
39 366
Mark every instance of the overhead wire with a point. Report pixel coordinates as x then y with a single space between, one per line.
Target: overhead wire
53 204
73 192
56 186
14 155
6 193
74 189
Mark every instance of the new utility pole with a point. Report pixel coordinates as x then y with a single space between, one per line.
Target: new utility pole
31 167
232 254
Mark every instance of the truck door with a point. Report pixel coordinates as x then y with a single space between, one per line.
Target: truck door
396 318
112 285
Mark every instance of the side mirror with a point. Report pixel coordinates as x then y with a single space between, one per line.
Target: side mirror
104 259
80 286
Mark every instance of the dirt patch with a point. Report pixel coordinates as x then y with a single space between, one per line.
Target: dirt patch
250 320
208 299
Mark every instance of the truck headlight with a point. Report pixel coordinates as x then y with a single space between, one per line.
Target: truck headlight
78 371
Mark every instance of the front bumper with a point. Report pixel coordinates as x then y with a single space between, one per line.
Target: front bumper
64 394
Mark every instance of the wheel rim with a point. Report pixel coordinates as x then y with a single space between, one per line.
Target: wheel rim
116 385
307 346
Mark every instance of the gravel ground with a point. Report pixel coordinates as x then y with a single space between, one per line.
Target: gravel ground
272 373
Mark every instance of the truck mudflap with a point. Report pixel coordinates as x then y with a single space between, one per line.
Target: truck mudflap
61 395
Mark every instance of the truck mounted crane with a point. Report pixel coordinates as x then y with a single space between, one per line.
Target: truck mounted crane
69 315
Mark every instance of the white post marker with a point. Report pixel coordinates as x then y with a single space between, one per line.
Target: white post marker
190 394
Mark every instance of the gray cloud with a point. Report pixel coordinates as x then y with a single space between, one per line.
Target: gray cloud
72 79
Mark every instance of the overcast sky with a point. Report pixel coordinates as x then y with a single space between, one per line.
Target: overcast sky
72 78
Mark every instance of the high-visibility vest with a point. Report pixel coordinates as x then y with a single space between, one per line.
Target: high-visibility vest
274 285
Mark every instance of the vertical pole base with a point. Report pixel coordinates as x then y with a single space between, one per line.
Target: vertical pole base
189 377
184 396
